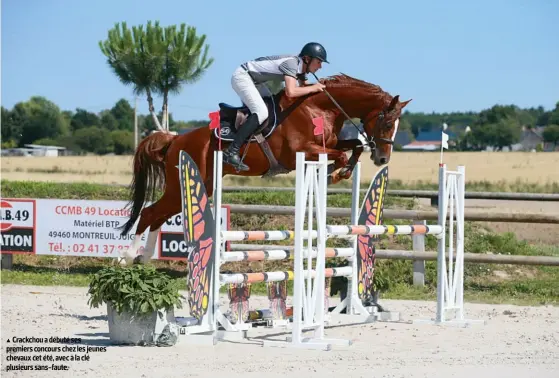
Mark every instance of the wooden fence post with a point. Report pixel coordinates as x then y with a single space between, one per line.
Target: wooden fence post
7 259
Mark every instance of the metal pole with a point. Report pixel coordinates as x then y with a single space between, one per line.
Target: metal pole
441 266
352 290
298 290
418 241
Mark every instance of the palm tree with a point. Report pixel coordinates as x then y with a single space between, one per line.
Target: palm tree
156 60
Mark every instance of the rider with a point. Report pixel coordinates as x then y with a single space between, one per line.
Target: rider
248 81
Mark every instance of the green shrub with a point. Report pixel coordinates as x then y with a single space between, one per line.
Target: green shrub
138 289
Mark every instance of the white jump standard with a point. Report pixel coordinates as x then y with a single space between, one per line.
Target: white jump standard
310 234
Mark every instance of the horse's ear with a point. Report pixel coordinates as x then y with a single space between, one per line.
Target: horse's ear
394 101
403 104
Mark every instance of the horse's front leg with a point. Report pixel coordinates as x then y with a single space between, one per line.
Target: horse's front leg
356 147
339 157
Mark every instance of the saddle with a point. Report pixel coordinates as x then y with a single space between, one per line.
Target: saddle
232 119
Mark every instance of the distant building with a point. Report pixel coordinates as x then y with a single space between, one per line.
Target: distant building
32 150
39 150
530 139
403 138
428 141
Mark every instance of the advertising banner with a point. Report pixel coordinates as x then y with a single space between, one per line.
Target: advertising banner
17 226
66 227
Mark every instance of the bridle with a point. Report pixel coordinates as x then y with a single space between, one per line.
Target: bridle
380 117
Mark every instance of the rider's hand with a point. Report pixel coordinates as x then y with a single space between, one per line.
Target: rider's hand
318 87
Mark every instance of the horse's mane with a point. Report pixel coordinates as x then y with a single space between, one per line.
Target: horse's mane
343 80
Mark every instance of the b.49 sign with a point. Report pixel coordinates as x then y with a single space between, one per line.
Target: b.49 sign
17 220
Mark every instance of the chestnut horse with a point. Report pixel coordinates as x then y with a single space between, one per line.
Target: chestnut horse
156 158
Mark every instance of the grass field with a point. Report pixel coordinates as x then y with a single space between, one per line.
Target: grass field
516 171
484 282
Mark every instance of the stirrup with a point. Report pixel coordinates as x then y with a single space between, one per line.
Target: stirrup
235 161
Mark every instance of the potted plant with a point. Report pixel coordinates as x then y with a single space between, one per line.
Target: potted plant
140 304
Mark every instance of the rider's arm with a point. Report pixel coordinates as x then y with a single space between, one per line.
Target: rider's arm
292 90
303 81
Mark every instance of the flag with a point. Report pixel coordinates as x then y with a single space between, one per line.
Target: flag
445 140
318 123
215 123
214 120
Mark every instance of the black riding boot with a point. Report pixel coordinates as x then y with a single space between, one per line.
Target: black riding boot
231 154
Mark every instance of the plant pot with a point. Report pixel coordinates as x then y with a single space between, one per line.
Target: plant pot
132 329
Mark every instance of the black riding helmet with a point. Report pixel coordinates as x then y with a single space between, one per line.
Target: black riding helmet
314 50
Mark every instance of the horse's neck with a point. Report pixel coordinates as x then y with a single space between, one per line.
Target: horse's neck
356 102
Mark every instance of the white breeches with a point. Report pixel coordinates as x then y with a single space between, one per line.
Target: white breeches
250 94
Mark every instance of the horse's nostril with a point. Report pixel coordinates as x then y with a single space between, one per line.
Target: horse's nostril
383 160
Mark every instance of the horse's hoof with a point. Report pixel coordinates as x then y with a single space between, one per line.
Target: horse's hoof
276 170
123 261
345 173
334 179
138 260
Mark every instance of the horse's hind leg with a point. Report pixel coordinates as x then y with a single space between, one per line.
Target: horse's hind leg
162 213
128 255
153 217
146 253
149 250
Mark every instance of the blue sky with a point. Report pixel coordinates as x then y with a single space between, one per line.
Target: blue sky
446 55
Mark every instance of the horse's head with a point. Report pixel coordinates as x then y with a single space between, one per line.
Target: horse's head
381 128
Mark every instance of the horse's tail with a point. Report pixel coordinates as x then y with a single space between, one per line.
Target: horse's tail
149 173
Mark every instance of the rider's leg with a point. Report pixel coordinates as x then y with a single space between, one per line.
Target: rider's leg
231 154
246 89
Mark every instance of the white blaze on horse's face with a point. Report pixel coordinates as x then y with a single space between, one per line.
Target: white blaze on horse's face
396 123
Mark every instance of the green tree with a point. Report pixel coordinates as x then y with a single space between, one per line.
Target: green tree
124 115
551 134
82 118
507 132
197 123
94 139
405 125
147 125
11 129
108 120
39 118
123 142
498 126
156 60
554 115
